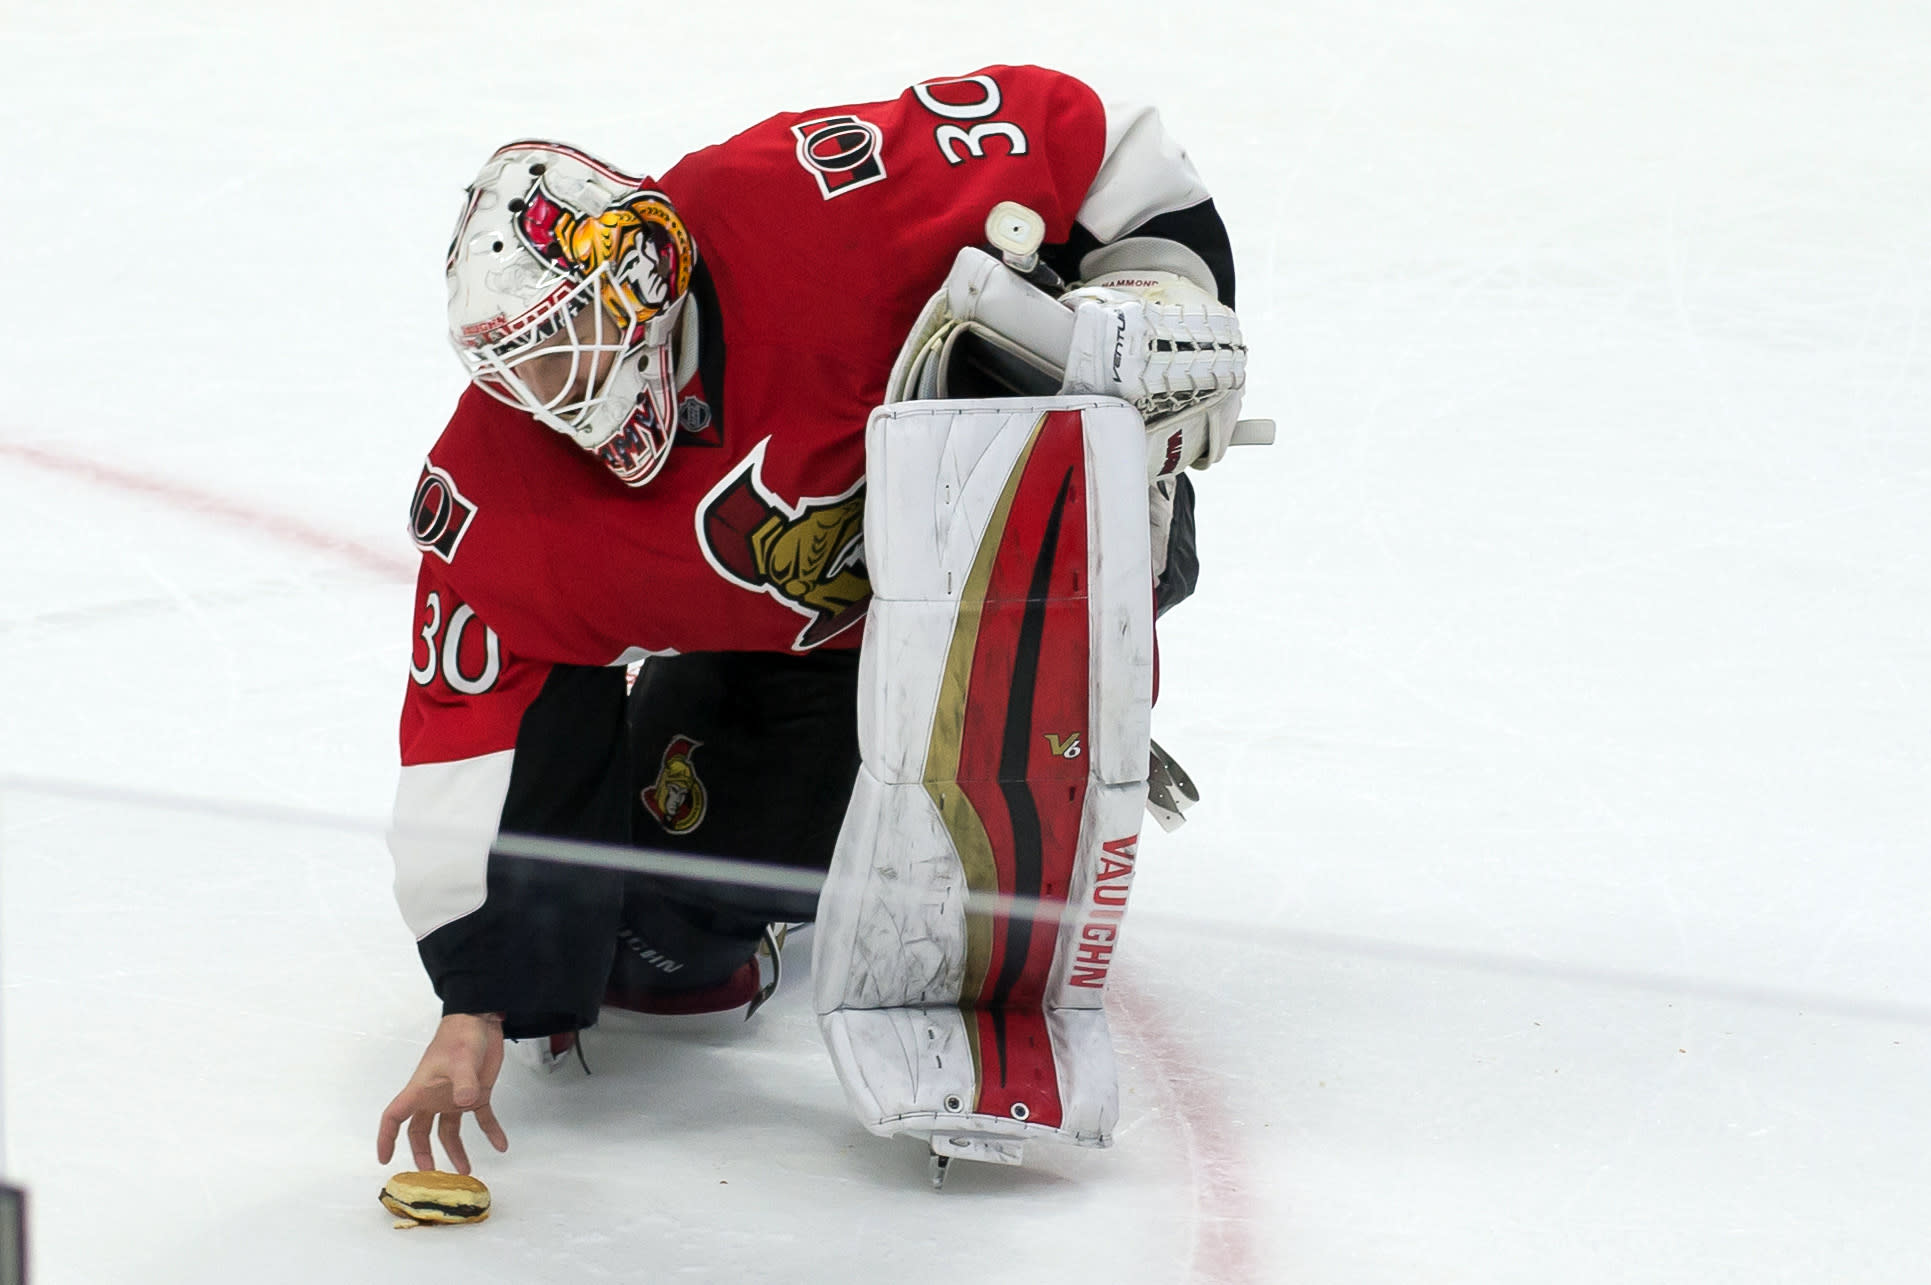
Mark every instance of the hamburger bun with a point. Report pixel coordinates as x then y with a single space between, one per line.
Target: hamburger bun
436 1197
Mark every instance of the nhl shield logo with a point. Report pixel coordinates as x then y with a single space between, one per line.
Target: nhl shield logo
697 422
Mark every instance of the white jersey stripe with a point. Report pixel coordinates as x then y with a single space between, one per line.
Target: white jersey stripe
1144 173
442 874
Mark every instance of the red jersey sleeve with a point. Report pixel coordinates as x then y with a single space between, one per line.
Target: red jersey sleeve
460 717
467 690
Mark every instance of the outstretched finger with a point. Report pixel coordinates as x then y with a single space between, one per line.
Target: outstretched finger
419 1140
450 1130
391 1124
486 1117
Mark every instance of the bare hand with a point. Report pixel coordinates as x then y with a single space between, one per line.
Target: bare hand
455 1076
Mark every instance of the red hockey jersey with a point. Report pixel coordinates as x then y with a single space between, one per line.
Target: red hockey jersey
820 235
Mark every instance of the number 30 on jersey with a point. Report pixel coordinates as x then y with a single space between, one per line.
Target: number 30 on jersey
970 98
844 153
441 650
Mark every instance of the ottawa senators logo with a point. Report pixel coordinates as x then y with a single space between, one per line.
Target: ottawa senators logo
439 515
841 152
810 555
676 798
639 244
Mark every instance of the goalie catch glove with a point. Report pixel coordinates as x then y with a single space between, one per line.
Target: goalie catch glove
1168 346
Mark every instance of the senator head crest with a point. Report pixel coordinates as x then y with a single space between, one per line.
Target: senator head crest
638 241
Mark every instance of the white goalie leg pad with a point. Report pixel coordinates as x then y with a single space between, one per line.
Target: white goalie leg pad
918 1071
968 922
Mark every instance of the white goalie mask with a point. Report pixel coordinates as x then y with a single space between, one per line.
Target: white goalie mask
566 280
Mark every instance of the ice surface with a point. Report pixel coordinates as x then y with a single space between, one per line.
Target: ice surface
1560 685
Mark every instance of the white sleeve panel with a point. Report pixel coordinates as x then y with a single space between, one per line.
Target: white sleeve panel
441 852
1144 173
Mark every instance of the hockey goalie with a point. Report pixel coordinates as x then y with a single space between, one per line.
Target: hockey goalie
936 363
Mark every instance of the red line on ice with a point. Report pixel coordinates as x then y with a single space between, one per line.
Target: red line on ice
1223 1249
276 526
